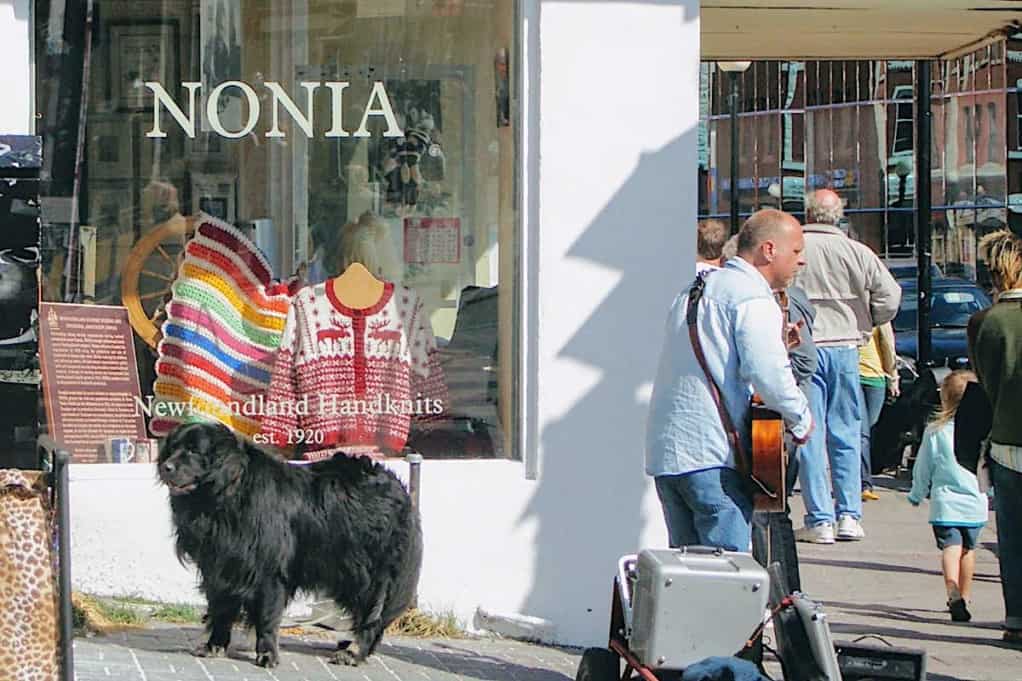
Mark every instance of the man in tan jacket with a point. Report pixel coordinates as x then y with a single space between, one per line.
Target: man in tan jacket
853 292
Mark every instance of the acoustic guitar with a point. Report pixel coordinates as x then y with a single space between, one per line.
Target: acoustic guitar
769 460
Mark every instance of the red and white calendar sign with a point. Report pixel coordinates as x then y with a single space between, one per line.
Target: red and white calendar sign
432 240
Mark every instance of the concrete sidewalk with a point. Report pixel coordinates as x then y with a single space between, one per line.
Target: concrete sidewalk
890 586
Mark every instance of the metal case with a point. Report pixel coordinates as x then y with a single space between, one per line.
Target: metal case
694 602
814 619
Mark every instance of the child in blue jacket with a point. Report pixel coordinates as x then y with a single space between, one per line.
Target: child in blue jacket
958 510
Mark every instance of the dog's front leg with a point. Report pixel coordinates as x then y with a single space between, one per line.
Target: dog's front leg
221 615
266 611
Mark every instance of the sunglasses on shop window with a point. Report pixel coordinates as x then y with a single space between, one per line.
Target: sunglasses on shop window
28 255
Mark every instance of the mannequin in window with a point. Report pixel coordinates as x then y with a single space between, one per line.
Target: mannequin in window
365 251
366 241
358 350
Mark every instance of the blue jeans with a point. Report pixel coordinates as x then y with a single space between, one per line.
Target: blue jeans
834 398
1008 508
872 404
706 508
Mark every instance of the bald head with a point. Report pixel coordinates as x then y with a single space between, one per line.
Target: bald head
765 225
772 242
824 207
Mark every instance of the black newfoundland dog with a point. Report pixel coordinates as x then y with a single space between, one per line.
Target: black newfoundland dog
259 529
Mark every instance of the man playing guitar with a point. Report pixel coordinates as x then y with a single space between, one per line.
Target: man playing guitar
725 341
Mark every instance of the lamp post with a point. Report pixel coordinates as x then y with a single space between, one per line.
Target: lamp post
732 69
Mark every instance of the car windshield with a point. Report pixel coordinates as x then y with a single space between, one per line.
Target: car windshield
949 308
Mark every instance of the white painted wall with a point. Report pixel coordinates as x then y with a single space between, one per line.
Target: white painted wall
610 200
16 74
618 114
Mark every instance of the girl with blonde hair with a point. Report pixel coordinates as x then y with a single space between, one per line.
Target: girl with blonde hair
958 510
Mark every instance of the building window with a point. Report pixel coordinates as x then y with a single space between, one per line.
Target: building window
1018 115
301 125
970 137
994 143
903 125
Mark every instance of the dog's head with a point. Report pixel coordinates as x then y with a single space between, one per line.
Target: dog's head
201 456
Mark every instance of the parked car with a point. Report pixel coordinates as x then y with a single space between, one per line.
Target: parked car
897 434
952 302
908 268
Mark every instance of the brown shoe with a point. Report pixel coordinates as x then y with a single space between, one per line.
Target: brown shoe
870 495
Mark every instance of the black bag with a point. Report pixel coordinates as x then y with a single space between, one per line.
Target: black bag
973 421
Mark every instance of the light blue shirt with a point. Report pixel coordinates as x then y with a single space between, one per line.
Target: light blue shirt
955 498
740 328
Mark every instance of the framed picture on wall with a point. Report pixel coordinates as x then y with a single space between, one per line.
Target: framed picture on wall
109 148
161 157
111 205
413 169
214 195
139 51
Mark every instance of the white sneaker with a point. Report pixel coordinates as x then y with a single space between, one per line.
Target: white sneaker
817 534
849 529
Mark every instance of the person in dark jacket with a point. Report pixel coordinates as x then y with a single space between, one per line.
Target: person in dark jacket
995 346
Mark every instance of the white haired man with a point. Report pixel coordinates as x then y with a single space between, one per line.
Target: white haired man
852 292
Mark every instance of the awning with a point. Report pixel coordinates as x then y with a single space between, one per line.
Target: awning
846 29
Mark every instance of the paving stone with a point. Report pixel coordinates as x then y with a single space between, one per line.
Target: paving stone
162 654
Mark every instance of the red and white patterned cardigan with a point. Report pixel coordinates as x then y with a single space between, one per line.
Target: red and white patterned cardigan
352 378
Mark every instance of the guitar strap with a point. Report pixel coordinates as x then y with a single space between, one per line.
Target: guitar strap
742 459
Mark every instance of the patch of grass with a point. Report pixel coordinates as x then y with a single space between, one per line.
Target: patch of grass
98 616
177 613
420 624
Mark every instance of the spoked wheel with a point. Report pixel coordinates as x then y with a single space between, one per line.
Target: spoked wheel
149 272
599 664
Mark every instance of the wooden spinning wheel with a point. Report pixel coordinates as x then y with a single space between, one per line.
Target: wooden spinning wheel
149 272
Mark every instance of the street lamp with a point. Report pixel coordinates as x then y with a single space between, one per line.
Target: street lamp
732 69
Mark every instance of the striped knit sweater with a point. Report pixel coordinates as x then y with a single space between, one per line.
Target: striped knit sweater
224 324
349 378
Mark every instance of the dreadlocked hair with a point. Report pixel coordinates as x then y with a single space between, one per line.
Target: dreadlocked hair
1003 253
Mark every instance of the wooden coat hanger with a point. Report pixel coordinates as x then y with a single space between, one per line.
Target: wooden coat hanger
357 288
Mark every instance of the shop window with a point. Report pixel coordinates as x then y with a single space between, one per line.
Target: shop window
301 125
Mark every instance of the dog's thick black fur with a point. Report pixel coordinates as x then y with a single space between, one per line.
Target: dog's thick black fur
259 529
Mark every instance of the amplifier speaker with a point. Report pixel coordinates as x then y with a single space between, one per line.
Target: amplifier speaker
867 662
